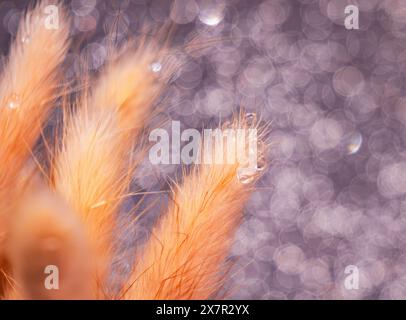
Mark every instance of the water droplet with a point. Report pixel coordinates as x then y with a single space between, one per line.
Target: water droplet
156 67
250 118
261 163
25 39
246 175
211 17
14 101
353 143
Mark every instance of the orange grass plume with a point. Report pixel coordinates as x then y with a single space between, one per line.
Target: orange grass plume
185 255
93 167
28 87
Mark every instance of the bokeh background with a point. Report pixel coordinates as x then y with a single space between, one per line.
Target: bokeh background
335 191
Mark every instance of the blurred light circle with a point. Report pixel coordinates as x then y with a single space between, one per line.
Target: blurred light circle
381 142
95 55
348 81
83 7
184 11
159 10
317 33
284 208
289 258
284 147
316 276
285 281
226 63
326 134
305 115
295 76
273 13
360 108
395 290
259 72
221 102
86 23
392 180
313 16
318 188
336 10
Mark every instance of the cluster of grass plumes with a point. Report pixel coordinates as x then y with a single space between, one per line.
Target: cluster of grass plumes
65 214
28 86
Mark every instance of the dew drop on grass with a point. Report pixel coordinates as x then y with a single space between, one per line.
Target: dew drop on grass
156 67
14 102
261 164
250 118
25 39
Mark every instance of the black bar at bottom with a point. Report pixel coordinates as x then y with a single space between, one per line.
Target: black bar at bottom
193 309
